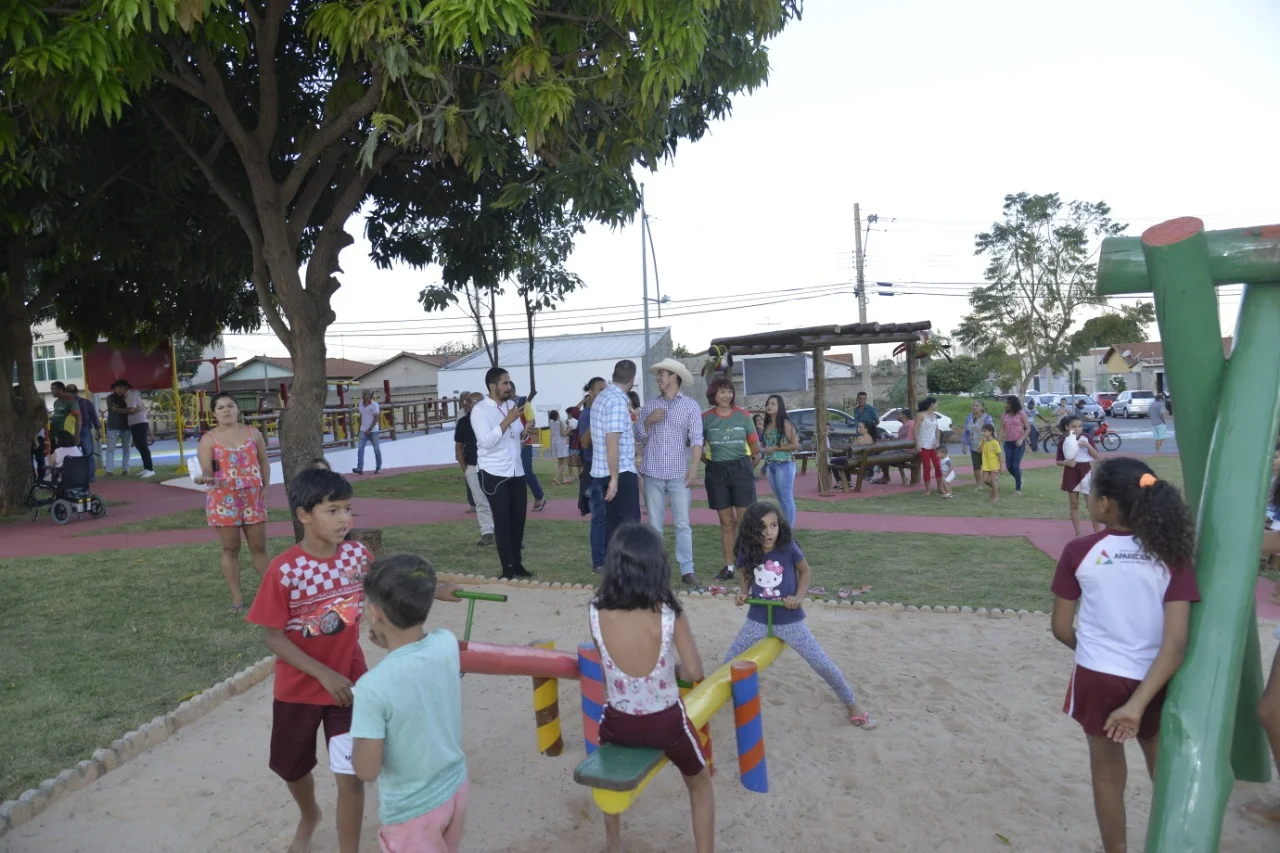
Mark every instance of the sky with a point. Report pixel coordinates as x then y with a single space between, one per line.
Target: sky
926 113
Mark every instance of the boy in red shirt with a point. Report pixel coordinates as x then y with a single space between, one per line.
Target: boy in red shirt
310 603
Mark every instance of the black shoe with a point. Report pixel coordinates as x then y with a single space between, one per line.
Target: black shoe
691 583
522 573
597 570
485 539
726 574
357 470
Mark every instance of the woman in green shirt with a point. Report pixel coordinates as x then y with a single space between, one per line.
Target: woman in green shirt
732 449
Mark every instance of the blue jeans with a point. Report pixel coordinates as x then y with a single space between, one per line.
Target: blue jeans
526 459
86 447
1013 451
782 479
595 497
656 493
369 438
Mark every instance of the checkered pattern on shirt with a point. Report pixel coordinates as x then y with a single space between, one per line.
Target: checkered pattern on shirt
611 412
666 451
309 579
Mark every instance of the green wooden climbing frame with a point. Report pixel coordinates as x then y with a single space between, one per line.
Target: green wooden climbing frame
1228 414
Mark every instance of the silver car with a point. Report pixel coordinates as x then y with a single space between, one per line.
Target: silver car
1132 404
1090 411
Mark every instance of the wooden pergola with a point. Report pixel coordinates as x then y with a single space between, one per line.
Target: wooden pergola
817 340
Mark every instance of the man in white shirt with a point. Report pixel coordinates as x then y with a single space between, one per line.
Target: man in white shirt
496 422
370 412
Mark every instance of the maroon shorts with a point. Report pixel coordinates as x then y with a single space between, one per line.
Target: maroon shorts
1071 477
929 460
669 730
294 727
1092 696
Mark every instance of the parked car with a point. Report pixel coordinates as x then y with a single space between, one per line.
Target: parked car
1091 411
1105 399
1038 401
841 426
891 422
1131 404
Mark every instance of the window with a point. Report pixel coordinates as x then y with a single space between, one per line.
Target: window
1143 395
48 367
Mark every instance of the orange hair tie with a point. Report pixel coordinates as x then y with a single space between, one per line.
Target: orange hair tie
1146 481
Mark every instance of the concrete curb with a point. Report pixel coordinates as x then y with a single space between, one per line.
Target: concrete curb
33 801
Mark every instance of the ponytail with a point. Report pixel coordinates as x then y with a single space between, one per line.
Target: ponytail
1153 509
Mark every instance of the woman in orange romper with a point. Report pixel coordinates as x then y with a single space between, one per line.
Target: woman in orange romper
233 463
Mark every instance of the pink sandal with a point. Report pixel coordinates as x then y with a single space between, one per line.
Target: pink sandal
863 721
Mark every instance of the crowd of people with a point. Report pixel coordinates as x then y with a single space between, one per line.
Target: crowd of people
75 422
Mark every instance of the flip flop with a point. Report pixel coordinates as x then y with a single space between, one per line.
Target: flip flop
863 721
716 589
843 592
817 590
539 506
237 609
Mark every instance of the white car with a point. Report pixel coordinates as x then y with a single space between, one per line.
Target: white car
895 417
1132 404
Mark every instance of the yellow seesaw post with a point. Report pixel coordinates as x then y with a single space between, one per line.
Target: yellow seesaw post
702 703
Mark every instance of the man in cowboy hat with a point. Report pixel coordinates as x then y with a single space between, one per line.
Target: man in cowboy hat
671 427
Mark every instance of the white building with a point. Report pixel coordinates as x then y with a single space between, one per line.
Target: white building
562 365
53 361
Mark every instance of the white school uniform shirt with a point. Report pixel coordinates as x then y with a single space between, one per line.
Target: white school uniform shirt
1122 592
497 451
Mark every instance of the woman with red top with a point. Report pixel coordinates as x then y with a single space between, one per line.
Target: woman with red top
1015 431
234 464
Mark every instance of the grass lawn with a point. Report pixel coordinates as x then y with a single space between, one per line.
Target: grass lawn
126 635
446 484
1041 497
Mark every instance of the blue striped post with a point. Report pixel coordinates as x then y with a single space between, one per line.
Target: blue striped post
750 730
591 682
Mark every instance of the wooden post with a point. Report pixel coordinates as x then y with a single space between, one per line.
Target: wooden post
820 420
912 402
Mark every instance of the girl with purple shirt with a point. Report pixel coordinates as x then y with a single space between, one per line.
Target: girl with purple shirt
776 569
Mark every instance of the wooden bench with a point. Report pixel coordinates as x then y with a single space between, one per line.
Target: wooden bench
894 453
803 457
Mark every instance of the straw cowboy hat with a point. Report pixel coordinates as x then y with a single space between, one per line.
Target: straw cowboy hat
672 366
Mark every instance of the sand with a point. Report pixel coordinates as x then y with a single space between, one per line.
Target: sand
971 746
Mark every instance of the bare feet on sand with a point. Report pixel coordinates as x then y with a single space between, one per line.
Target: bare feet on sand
306 828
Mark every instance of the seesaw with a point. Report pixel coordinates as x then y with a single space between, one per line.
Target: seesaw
618 774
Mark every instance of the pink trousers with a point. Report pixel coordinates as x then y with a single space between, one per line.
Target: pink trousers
437 831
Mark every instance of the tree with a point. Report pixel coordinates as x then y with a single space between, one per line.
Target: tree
189 352
681 351
543 282
1040 269
291 110
109 243
885 367
961 375
1129 325
1002 369
1118 384
453 348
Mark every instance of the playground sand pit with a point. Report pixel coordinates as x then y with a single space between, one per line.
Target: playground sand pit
972 750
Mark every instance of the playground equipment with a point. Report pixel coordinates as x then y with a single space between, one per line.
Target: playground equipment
617 774
1226 433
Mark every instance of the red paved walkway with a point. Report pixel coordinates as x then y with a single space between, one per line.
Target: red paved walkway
145 500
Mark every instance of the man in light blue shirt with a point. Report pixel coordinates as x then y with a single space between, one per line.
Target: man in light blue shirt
613 461
407 716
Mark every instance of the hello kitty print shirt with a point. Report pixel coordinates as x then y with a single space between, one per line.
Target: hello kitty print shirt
775 578
649 694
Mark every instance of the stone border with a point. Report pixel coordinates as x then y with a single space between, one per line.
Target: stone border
33 801
849 603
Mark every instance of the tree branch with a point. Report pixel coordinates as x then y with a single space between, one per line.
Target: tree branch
319 181
329 134
266 38
50 238
221 105
333 237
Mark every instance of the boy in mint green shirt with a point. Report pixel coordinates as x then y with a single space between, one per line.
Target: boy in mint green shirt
407 718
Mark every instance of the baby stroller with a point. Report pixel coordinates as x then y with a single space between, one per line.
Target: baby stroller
66 492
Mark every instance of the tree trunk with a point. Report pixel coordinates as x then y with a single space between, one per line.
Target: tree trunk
20 415
301 420
493 323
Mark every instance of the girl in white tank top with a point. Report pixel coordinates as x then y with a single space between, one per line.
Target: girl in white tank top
638 626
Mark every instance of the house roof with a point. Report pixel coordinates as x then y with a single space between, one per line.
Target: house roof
334 368
433 360
1148 351
565 349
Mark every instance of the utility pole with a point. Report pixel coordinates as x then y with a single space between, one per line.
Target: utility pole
644 277
861 291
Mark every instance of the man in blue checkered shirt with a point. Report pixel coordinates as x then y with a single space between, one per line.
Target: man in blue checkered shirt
614 459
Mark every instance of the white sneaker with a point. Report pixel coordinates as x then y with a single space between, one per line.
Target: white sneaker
147 475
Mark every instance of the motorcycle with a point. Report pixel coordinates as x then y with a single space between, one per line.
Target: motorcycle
1102 435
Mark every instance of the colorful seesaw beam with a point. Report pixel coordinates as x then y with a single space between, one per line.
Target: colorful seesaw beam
701 704
502 659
